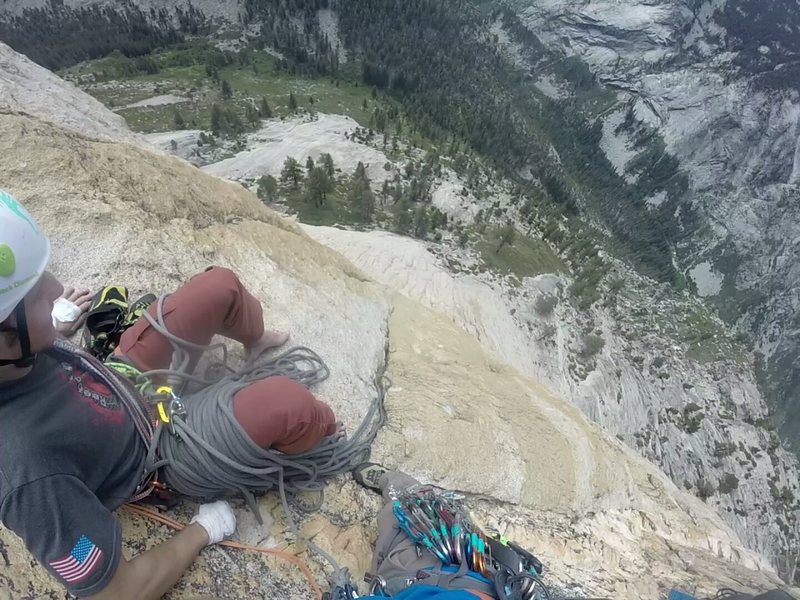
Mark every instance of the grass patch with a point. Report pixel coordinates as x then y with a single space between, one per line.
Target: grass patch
527 257
182 71
708 339
267 79
119 97
162 118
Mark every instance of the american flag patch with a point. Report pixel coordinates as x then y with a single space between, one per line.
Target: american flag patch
80 562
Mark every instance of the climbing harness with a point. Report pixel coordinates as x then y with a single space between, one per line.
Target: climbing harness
436 522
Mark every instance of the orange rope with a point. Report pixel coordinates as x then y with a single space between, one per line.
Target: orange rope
156 516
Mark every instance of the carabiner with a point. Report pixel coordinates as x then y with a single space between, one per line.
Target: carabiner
175 408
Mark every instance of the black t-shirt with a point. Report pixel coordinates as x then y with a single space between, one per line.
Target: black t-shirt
69 455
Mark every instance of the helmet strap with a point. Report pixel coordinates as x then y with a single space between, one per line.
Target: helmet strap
27 359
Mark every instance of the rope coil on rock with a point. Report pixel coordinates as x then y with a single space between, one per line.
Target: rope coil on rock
210 454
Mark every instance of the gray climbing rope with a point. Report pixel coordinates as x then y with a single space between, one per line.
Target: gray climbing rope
210 454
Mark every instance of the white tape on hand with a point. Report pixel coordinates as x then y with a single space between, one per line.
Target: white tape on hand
217 519
65 311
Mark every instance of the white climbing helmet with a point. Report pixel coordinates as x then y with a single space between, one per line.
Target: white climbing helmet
24 254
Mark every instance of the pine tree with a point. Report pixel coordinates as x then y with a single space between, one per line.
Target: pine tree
292 102
318 185
384 192
403 217
327 163
507 236
216 119
291 173
397 193
380 119
267 188
252 114
421 222
437 218
265 110
528 213
309 164
227 91
360 196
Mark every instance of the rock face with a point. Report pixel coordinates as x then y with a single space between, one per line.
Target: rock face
718 81
701 423
26 87
603 519
298 137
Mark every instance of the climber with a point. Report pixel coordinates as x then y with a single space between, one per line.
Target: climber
399 569
69 452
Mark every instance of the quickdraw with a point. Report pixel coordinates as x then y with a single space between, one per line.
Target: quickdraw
435 521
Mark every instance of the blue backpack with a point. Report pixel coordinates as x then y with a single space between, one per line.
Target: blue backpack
427 592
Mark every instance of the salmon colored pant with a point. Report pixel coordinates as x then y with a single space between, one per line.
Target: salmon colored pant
276 412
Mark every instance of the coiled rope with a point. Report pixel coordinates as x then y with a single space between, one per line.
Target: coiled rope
210 455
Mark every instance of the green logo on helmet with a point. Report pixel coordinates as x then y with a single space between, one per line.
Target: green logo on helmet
8 263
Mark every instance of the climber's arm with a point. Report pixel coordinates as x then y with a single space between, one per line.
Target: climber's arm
78 540
151 574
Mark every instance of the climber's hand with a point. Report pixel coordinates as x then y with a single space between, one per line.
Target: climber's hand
70 311
217 519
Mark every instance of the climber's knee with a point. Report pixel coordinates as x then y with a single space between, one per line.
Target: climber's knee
221 275
280 413
219 280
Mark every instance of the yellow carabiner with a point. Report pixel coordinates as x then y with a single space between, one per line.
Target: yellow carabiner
164 389
162 413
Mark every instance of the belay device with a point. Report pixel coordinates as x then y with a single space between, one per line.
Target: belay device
436 521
